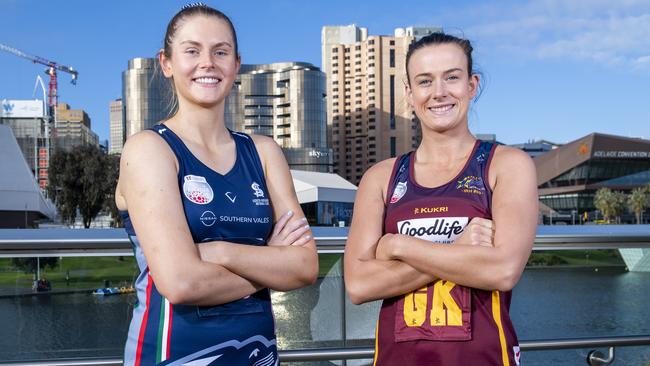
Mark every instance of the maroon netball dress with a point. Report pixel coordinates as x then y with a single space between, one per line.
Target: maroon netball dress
443 323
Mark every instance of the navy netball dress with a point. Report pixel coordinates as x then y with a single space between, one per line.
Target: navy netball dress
232 207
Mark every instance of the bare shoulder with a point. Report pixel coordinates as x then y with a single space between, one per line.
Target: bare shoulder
376 178
145 156
264 143
506 158
511 163
144 145
381 171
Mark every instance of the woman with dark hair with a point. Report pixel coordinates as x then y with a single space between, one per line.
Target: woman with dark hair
443 233
215 214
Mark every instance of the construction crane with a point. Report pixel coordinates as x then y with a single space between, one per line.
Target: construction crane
52 68
52 102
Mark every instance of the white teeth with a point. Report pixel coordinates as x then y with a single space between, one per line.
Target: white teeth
442 109
206 80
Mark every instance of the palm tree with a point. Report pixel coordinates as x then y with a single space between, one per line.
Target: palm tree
602 201
638 201
610 203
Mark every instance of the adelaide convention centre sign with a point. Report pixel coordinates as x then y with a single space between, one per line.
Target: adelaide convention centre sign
622 154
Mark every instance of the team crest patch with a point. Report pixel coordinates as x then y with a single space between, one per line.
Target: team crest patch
398 192
259 193
197 189
471 184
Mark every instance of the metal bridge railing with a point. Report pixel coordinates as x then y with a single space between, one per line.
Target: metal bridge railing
114 242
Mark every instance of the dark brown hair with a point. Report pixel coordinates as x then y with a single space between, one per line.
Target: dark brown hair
441 38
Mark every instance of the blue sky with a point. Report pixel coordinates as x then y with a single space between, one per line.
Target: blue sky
553 69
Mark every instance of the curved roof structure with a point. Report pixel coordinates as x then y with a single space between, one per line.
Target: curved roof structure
20 196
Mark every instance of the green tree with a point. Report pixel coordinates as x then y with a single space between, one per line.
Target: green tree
28 265
113 164
79 180
638 200
610 203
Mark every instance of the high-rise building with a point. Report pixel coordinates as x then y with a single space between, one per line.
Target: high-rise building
72 128
368 116
284 101
29 125
146 95
116 127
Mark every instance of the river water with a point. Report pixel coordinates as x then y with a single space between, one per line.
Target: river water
547 303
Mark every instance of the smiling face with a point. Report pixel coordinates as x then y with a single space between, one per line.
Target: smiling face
440 88
203 61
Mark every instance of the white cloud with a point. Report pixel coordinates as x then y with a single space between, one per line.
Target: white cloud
599 31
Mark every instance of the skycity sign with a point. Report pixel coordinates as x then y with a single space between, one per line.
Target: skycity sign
21 109
622 154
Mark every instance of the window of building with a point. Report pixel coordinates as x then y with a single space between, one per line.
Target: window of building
335 57
393 147
372 153
371 65
335 96
357 47
335 71
392 42
335 104
347 49
358 148
357 63
392 103
371 50
372 146
392 58
371 127
335 90
357 70
372 41
371 98
371 57
357 94
371 138
335 65
335 82
358 87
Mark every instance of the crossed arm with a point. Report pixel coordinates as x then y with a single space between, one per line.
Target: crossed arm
381 266
185 272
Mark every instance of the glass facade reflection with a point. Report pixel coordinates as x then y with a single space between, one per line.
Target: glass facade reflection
146 95
284 101
569 176
325 213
